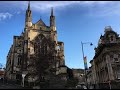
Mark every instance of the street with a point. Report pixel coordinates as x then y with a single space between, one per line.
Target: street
10 86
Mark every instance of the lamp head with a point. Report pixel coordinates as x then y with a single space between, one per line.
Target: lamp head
91 44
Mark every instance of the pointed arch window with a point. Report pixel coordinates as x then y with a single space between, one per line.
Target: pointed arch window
41 45
19 60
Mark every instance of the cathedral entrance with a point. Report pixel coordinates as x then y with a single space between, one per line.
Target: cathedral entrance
18 78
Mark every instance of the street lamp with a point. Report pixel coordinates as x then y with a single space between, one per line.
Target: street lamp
110 84
85 64
23 76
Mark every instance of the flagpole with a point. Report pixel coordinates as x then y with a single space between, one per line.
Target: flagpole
84 67
85 63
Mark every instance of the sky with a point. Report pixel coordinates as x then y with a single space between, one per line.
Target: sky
76 22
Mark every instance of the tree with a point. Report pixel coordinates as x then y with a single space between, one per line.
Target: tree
42 58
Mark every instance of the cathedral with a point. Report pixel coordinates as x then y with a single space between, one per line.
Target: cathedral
36 57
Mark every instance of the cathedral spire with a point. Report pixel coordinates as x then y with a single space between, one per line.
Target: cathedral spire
28 19
52 21
40 18
28 5
52 11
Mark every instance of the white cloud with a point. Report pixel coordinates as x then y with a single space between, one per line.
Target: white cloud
96 2
18 12
4 16
105 9
45 5
94 8
48 4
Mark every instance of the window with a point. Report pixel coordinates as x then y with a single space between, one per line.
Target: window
40 28
111 38
18 77
41 45
116 60
118 72
118 55
19 60
58 48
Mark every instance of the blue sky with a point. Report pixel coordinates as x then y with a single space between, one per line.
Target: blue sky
76 21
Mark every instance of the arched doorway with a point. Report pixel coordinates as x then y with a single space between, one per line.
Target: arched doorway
18 79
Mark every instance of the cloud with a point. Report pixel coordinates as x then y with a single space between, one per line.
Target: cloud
44 5
105 8
18 12
48 4
4 16
94 8
96 2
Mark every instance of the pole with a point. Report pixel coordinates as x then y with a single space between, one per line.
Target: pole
23 81
84 66
109 84
23 76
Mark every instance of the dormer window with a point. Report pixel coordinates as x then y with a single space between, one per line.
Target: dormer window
40 28
111 38
108 28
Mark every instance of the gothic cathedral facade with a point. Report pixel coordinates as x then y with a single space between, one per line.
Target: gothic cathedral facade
36 53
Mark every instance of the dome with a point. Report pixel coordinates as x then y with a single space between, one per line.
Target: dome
108 28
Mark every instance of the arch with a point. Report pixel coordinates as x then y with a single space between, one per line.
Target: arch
42 44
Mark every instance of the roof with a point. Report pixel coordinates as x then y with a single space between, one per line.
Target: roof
2 72
78 70
40 23
101 47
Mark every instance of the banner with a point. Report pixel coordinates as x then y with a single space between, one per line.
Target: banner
85 63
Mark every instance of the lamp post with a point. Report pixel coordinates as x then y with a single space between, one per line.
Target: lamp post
110 84
23 77
84 62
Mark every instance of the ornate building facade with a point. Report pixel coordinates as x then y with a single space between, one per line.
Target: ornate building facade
106 62
37 54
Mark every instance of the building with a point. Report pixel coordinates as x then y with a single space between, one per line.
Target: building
90 78
37 55
75 79
79 74
2 74
106 62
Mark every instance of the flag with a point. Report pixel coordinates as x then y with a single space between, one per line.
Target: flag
85 62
